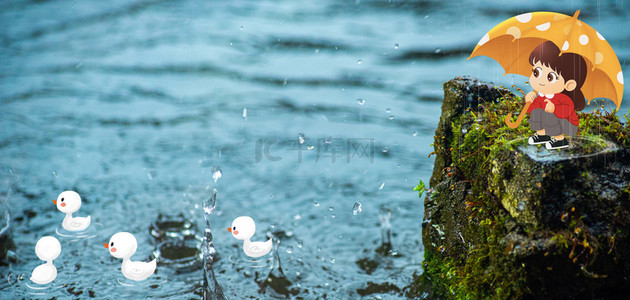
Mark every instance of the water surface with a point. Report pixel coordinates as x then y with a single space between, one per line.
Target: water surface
308 109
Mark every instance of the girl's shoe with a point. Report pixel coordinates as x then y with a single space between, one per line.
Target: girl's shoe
557 144
538 139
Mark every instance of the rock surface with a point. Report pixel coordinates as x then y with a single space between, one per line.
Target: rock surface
508 220
6 238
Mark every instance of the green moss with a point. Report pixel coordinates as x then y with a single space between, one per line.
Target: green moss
476 163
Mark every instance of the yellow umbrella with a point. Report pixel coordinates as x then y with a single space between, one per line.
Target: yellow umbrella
511 42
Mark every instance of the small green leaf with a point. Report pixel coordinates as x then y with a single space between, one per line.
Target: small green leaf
419 188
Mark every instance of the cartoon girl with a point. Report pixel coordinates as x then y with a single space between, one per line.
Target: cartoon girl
556 79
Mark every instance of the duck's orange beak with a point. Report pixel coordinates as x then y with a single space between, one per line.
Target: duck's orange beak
106 245
54 201
229 229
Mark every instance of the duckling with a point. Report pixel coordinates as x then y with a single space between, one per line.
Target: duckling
69 202
243 228
47 249
123 245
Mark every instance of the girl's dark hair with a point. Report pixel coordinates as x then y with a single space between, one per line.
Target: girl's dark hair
568 65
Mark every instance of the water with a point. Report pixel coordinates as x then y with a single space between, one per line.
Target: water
132 104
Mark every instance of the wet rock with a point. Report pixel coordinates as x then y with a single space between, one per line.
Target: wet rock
378 288
508 220
367 264
6 237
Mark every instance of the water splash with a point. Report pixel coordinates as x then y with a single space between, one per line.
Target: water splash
385 216
216 173
301 138
357 209
211 288
276 279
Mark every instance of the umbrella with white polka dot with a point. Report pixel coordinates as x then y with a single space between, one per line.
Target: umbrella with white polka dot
511 42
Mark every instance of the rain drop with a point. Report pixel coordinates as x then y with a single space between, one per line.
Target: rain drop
521 205
396 46
301 138
290 249
415 133
297 217
315 203
358 207
299 244
332 260
360 61
385 150
331 208
391 117
387 110
245 113
216 173
361 101
437 51
382 186
241 28
54 173
310 147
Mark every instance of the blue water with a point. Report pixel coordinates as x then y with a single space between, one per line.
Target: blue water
131 103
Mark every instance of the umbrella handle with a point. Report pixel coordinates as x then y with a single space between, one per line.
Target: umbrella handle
508 119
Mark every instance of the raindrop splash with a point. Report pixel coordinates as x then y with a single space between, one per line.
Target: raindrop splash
211 288
276 280
357 209
301 138
216 173
385 216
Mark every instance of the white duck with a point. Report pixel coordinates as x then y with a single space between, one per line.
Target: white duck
69 202
243 228
47 249
123 245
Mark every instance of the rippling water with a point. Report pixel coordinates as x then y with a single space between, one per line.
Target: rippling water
320 116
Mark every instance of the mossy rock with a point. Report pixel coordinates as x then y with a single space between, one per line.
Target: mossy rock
506 220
